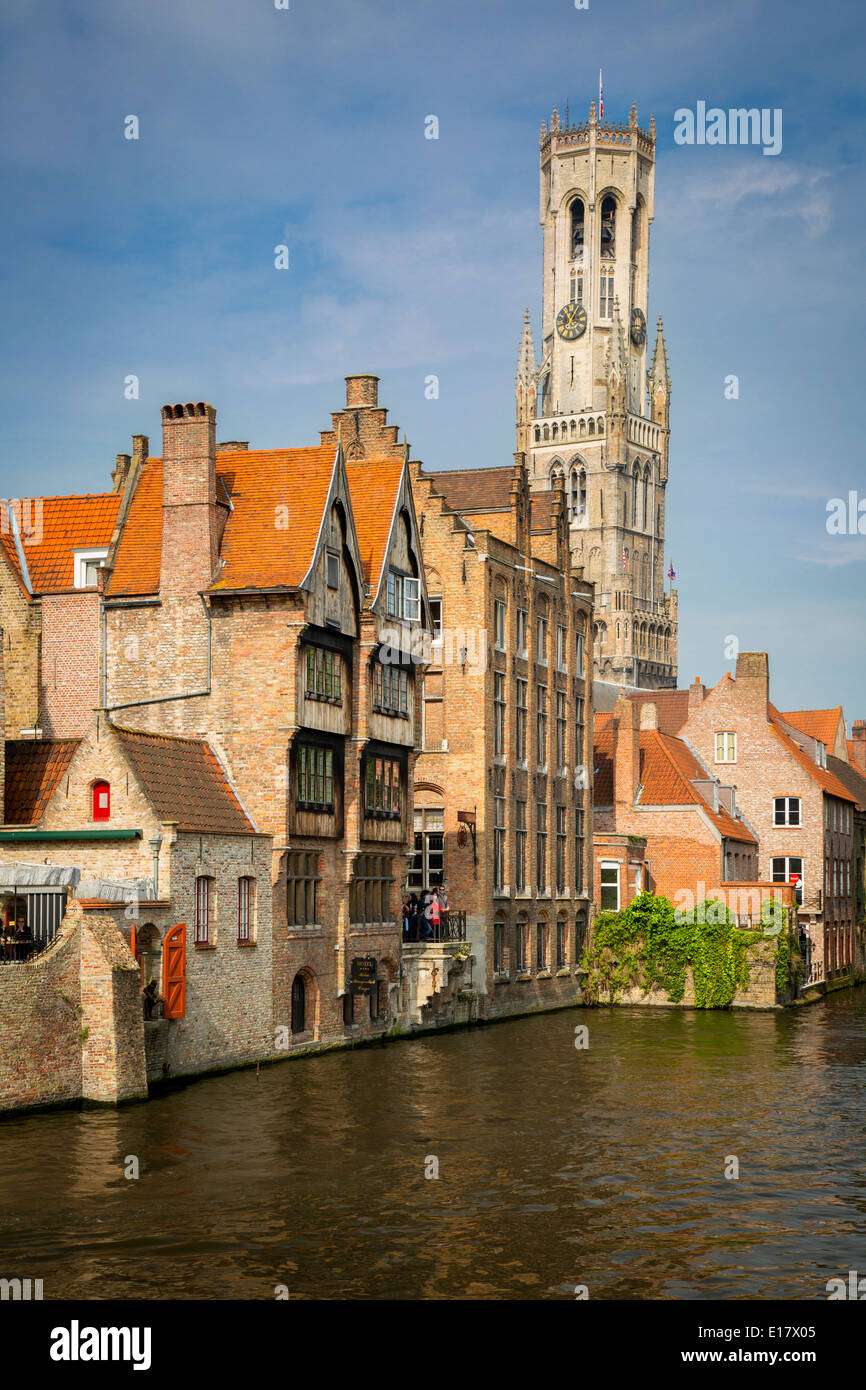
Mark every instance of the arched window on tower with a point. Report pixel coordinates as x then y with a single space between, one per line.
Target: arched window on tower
645 514
635 234
608 228
577 225
634 497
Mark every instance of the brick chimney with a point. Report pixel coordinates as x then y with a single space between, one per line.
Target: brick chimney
189 511
697 695
753 679
858 745
121 470
649 715
362 423
626 752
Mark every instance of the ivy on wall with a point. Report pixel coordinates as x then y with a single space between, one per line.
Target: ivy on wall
650 946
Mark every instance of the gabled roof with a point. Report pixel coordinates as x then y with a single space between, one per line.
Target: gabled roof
474 489
822 724
185 782
62 525
374 486
667 767
850 777
34 768
823 776
672 707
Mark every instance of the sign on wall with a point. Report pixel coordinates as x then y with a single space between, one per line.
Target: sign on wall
362 976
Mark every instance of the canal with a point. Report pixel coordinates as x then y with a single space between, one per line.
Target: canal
557 1167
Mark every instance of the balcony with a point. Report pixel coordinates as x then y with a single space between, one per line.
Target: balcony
451 928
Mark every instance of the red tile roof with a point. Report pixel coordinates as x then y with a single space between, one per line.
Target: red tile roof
667 766
374 486
823 776
185 783
66 524
822 724
34 767
672 707
474 489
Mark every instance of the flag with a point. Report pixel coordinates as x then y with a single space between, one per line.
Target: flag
672 574
600 98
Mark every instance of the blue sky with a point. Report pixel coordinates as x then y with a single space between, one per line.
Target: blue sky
410 256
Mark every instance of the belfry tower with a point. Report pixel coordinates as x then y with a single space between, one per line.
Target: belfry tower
590 412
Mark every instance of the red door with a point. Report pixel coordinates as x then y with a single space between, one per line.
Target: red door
174 972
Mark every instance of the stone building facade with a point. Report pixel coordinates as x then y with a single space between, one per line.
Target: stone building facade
503 784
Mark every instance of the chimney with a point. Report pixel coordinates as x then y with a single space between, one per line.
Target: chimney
649 715
121 470
858 745
189 511
361 390
234 446
697 695
626 752
753 676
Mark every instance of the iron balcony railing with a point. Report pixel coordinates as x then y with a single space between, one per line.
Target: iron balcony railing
451 927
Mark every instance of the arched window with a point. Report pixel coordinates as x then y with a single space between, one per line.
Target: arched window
101 801
299 1005
608 228
577 225
645 512
634 497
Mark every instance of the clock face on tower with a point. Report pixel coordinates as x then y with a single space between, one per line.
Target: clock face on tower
571 321
638 328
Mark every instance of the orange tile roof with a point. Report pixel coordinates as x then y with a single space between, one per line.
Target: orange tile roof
672 707
821 724
374 486
823 776
33 769
667 766
67 524
137 560
185 782
474 489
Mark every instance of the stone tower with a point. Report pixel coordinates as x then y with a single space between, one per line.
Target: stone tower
590 413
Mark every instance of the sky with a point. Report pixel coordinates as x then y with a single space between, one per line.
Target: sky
304 127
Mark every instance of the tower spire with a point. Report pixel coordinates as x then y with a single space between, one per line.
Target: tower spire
526 386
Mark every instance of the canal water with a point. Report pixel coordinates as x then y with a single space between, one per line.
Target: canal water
602 1166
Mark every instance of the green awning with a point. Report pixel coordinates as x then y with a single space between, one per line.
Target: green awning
29 836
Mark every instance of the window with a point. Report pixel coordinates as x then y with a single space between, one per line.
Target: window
370 890
315 776
578 729
789 869
561 943
726 748
498 842
332 566
541 725
390 688
541 643
203 908
428 860
520 945
299 1005
541 847
522 714
609 886
403 597
498 947
436 618
522 632
520 846
323 674
608 228
498 715
86 566
560 848
101 801
786 810
560 730
499 624
541 946
605 308
562 648
246 899
382 787
580 650
302 878
577 226
578 851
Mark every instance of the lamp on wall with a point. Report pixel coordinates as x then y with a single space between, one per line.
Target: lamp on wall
155 845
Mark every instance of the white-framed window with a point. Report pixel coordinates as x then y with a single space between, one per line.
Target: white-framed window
562 648
580 648
332 565
246 900
520 723
522 632
87 563
726 747
541 725
789 869
436 618
605 309
786 810
541 643
203 910
499 611
498 715
609 885
404 597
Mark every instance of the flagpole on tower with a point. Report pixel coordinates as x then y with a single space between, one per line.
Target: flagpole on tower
600 97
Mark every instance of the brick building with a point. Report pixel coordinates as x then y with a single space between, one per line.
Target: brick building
503 781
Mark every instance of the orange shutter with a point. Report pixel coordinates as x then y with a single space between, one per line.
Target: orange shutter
174 972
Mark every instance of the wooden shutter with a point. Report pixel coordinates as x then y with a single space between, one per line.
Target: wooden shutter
174 972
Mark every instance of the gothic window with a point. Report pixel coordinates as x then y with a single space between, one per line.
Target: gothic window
645 513
608 228
577 225
634 496
606 300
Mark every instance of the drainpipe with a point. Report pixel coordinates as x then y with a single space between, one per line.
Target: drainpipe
155 844
186 695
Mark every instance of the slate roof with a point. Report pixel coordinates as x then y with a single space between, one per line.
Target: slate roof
850 777
34 767
185 783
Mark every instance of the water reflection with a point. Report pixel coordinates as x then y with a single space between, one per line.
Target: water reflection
557 1167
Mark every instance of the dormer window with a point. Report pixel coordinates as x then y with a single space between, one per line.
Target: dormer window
404 597
87 564
101 801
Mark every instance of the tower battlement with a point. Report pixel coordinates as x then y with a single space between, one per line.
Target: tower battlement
558 137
